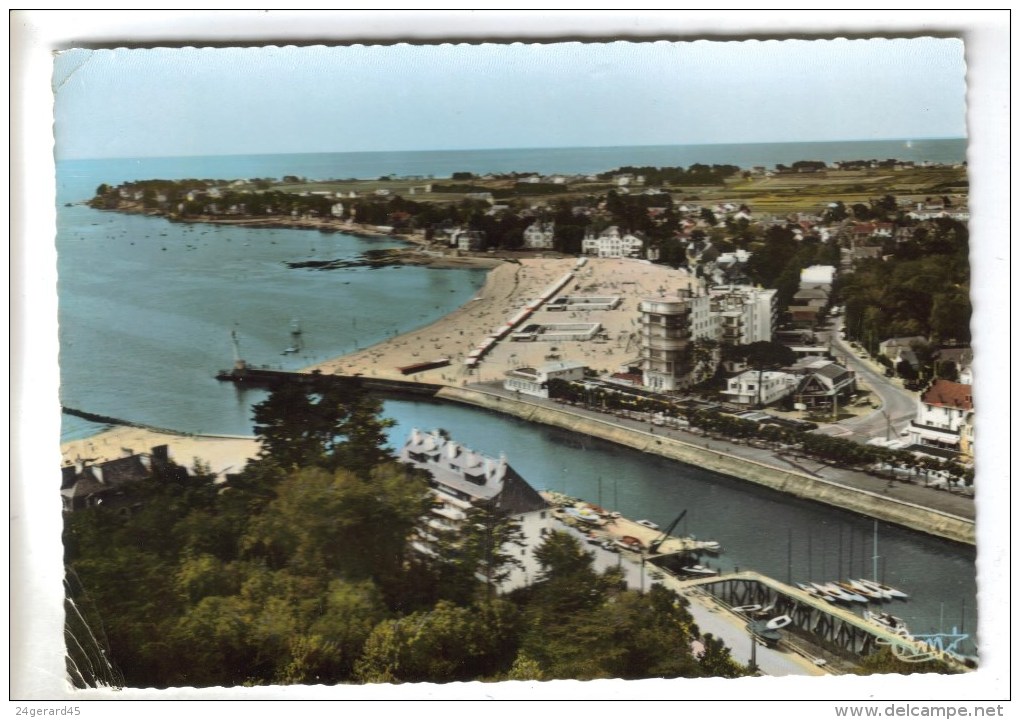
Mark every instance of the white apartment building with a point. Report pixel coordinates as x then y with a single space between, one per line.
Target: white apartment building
612 243
744 314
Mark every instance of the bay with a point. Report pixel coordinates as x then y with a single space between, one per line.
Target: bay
146 308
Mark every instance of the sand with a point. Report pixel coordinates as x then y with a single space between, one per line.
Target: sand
508 288
222 454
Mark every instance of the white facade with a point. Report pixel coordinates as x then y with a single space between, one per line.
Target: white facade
749 387
539 236
744 314
944 413
817 275
535 381
612 243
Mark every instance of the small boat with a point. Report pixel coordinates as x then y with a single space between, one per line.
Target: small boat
648 524
868 592
700 570
747 609
778 622
709 546
763 633
855 596
892 592
814 592
887 621
834 592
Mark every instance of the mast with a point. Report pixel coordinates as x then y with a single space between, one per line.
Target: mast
874 558
239 364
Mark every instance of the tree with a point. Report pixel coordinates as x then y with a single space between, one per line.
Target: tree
490 543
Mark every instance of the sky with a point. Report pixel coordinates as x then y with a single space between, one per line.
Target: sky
222 101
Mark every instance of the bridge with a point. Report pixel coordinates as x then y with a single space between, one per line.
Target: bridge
828 626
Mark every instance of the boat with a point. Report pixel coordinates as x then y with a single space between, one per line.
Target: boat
834 592
854 596
295 339
890 591
709 546
763 633
648 524
887 621
869 592
779 622
700 570
747 609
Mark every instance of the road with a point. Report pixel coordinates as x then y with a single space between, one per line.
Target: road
898 406
929 497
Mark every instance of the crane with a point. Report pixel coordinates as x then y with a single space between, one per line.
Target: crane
654 547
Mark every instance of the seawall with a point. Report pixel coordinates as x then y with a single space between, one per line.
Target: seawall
915 517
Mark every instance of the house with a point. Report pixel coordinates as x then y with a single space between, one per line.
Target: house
612 243
84 484
535 381
902 348
461 479
944 419
539 236
822 382
751 387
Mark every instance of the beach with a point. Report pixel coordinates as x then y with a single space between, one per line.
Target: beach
508 288
222 454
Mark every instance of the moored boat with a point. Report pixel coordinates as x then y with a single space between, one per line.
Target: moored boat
699 570
891 591
778 622
853 595
869 592
887 621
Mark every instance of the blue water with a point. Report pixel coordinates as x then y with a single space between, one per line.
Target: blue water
147 306
443 163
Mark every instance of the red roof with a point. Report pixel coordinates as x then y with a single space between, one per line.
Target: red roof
949 394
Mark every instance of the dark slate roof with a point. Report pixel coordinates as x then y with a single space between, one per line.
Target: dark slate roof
484 479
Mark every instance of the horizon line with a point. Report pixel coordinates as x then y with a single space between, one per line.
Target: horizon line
518 148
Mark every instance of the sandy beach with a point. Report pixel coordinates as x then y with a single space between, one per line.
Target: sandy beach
508 288
222 454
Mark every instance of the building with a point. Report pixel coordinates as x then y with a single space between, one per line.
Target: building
765 388
539 236
944 419
822 383
612 243
535 381
745 314
461 479
667 353
110 483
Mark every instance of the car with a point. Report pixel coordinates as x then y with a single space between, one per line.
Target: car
648 524
610 545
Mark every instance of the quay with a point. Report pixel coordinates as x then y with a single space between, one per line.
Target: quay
477 340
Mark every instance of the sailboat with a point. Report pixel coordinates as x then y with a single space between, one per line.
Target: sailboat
874 583
295 338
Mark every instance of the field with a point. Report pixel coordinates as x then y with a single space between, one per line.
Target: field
779 194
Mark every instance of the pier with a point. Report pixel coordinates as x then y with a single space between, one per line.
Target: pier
814 621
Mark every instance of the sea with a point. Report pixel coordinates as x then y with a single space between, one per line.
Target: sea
147 307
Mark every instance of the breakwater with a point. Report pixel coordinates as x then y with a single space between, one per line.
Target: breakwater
914 517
